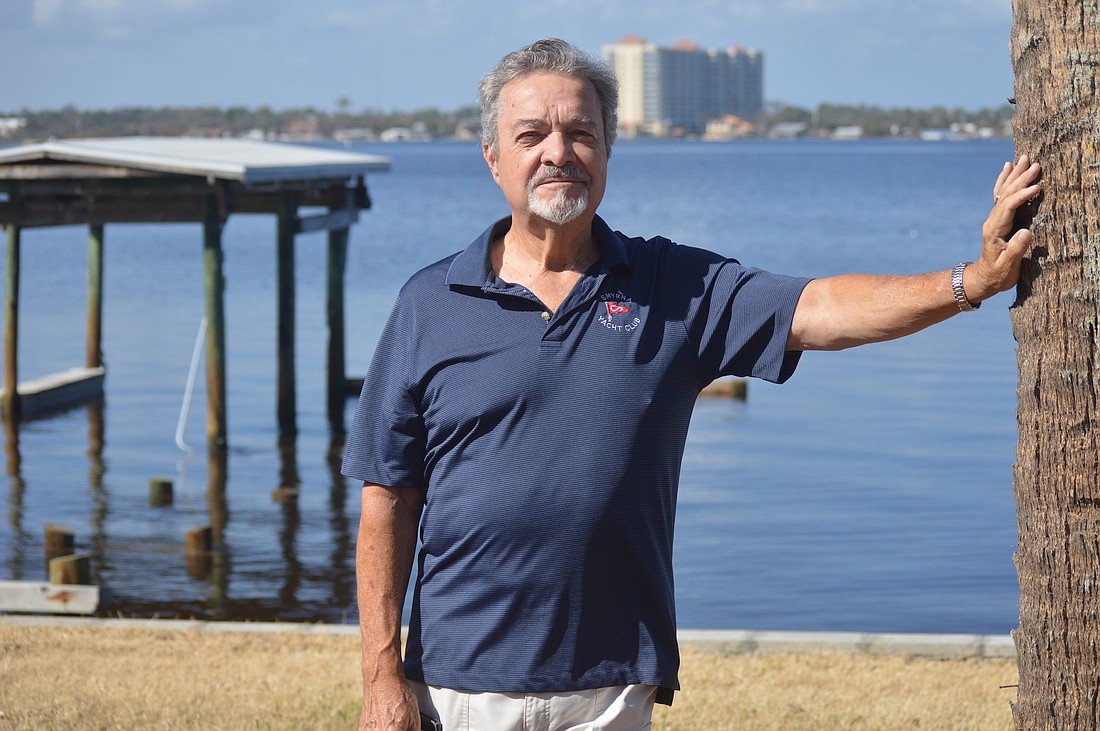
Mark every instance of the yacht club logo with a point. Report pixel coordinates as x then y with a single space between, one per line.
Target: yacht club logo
617 313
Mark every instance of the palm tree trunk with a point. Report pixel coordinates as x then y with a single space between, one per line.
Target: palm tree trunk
1056 56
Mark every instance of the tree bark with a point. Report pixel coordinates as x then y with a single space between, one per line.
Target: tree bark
1055 51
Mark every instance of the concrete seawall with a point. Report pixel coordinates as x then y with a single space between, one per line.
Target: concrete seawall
726 642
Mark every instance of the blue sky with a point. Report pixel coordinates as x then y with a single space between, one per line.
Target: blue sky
412 54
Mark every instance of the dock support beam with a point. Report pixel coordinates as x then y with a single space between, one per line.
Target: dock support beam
337 376
214 285
286 392
10 405
94 335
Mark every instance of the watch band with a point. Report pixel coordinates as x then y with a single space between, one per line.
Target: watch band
957 288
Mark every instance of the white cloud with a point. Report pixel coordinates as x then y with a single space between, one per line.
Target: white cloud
813 7
361 17
412 18
117 19
46 12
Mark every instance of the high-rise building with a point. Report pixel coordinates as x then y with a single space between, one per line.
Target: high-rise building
678 89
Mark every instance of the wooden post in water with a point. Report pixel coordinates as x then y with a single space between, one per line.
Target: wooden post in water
76 568
218 509
60 541
214 284
94 335
199 540
160 492
337 375
10 405
198 545
286 396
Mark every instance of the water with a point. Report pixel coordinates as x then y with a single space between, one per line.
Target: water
870 493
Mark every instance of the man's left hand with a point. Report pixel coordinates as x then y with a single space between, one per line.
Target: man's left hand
998 267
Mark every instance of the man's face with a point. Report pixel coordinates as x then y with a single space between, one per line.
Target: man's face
551 158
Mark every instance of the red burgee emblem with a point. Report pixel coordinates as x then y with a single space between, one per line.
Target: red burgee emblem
614 308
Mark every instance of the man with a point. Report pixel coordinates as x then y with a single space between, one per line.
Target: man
527 408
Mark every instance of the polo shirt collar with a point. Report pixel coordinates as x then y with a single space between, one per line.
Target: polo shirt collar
471 267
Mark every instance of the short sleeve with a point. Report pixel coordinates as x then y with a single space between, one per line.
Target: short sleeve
740 318
386 442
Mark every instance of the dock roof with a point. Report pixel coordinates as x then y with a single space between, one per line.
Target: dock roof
163 179
244 161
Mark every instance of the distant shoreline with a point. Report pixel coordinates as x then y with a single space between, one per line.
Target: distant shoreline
842 122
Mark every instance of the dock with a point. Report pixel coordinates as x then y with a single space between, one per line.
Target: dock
98 182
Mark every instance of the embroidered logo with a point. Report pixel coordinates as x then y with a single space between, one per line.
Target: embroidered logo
618 313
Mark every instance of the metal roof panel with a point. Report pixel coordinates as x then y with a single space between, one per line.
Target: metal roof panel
247 161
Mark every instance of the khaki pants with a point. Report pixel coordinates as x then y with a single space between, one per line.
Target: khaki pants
622 708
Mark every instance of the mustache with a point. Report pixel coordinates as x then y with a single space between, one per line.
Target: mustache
552 172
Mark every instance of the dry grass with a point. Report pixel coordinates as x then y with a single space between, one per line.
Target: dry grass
840 692
107 678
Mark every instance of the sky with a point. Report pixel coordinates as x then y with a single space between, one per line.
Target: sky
408 55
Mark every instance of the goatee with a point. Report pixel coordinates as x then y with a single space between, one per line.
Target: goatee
565 206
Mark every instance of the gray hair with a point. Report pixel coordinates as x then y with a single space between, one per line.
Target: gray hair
551 56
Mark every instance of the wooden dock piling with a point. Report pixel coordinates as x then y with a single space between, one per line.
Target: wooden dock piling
734 388
60 541
336 385
94 333
160 492
76 568
214 286
10 405
199 540
198 551
287 395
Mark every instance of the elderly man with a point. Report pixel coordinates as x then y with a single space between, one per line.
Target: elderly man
527 409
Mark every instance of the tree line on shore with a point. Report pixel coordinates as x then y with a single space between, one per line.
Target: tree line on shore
310 123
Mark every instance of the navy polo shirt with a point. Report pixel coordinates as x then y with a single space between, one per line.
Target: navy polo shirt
549 450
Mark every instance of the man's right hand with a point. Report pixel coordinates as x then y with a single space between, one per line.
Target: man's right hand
389 705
